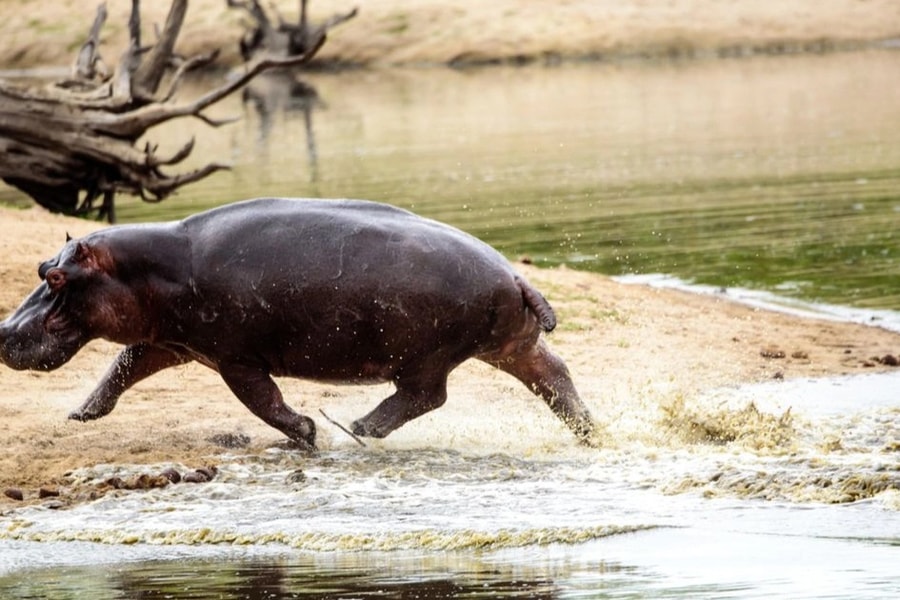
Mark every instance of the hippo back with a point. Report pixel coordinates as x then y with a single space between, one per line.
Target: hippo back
346 278
347 241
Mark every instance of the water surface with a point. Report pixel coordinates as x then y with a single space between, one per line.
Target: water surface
776 173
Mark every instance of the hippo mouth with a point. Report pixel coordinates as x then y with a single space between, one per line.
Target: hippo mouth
63 339
57 321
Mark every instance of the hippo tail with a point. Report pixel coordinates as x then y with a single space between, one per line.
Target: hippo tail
538 305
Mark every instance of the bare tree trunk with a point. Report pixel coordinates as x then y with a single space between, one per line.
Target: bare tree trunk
286 39
72 143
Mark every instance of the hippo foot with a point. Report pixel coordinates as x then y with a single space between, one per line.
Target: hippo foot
365 428
90 411
298 446
587 433
591 440
302 435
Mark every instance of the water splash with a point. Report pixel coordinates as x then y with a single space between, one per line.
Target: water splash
790 457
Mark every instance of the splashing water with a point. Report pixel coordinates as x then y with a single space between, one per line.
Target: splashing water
811 460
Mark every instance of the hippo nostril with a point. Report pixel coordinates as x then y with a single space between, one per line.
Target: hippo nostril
42 270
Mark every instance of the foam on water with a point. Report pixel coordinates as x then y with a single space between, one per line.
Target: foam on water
888 319
368 500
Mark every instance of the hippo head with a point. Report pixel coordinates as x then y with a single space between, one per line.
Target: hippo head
71 306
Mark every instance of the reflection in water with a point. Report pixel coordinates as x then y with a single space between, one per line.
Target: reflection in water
274 581
277 94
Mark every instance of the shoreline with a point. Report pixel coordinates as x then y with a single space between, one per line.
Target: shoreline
881 318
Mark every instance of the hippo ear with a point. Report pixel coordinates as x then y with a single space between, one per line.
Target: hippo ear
68 237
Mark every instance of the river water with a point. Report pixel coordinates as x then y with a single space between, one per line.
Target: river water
771 174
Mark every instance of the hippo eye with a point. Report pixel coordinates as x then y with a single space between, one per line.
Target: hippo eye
56 279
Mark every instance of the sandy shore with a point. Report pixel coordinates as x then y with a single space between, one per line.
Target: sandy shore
415 32
622 342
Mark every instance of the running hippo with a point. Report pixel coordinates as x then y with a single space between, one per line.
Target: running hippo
337 291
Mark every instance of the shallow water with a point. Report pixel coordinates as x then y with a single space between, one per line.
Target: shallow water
789 489
883 318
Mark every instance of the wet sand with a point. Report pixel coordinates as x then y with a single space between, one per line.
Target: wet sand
620 341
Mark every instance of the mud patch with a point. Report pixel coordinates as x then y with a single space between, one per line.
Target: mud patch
85 485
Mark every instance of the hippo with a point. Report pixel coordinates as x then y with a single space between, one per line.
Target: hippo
342 291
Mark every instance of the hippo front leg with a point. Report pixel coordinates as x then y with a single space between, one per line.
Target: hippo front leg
133 364
256 390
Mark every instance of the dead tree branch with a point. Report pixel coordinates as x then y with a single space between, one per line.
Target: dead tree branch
74 142
88 59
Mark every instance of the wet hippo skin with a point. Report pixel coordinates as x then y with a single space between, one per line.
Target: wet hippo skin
327 290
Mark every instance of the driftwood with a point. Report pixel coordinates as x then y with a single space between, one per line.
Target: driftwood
355 437
285 39
71 143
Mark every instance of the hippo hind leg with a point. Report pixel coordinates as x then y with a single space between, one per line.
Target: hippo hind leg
546 375
414 397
